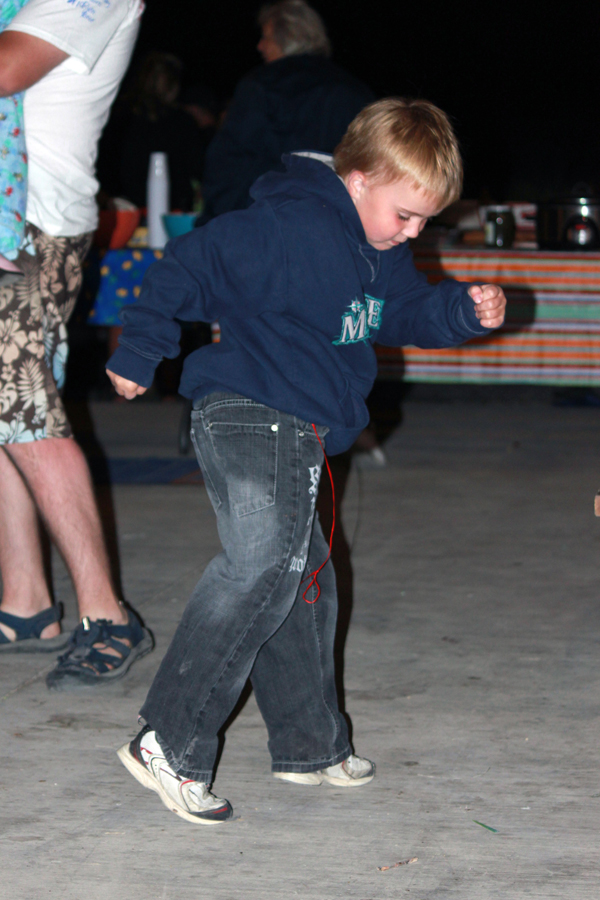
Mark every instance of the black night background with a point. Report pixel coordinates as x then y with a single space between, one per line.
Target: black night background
521 80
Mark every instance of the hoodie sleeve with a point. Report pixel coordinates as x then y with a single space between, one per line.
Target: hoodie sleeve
426 315
233 267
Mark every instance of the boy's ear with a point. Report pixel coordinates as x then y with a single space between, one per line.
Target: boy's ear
356 182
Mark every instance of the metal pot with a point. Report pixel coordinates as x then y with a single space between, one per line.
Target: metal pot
572 223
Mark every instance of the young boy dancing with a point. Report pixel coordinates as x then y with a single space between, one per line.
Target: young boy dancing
302 283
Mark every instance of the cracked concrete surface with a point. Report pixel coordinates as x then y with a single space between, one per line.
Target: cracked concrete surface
472 676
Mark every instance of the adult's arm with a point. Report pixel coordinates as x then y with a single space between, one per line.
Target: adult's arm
24 60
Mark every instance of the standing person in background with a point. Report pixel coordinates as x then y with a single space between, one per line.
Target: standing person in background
70 58
155 122
299 100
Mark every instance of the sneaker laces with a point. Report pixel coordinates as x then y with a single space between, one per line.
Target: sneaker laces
201 793
354 765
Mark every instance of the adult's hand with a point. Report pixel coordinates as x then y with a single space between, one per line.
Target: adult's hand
24 59
124 387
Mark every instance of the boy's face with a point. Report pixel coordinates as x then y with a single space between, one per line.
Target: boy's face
390 213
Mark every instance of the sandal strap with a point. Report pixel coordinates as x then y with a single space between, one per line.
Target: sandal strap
31 627
82 653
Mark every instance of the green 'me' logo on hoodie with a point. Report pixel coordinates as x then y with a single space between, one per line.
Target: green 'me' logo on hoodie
362 318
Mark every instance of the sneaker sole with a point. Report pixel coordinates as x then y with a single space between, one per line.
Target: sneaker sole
141 774
69 681
341 782
316 778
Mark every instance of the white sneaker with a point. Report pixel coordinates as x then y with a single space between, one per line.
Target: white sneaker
192 800
370 459
352 772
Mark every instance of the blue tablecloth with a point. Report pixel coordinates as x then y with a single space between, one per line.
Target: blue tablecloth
121 275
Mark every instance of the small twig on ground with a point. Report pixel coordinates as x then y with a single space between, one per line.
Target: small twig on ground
404 862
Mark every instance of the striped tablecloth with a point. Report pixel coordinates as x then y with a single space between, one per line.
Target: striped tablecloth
552 331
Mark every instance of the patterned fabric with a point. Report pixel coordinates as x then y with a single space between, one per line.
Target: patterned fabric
122 273
34 312
552 330
8 10
13 157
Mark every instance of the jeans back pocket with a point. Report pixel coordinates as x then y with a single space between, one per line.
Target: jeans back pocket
246 457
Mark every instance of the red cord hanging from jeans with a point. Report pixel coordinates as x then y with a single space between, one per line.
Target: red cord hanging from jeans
314 575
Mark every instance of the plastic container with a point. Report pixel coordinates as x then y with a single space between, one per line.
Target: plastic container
157 200
499 227
116 226
178 223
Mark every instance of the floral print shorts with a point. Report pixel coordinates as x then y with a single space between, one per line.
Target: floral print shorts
34 312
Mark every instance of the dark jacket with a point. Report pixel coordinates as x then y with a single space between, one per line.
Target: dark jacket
295 103
301 298
173 132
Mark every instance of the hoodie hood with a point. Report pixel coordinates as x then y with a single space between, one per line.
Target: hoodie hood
310 174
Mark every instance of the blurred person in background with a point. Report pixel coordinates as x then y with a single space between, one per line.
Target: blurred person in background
149 119
299 100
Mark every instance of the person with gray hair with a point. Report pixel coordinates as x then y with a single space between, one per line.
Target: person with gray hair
299 100
295 28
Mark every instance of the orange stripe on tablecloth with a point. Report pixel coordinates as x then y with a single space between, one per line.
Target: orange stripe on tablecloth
549 276
510 263
501 341
517 359
558 351
518 278
523 339
591 284
582 272
537 340
522 258
500 352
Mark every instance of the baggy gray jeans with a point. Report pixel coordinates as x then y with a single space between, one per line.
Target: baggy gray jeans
246 616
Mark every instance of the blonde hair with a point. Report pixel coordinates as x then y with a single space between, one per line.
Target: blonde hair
297 28
396 138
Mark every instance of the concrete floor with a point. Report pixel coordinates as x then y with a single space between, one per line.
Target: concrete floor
472 676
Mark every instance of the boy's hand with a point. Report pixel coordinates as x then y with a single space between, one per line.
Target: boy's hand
490 304
124 387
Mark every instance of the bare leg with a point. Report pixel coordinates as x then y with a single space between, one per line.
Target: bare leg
24 588
58 478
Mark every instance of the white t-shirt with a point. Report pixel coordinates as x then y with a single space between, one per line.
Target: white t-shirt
67 109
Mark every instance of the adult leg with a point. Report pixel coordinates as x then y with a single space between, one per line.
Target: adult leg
24 588
294 678
35 433
261 471
57 475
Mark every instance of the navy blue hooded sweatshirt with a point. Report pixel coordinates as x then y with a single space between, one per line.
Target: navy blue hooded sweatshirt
301 298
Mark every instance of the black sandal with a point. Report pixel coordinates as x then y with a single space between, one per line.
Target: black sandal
28 632
85 664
